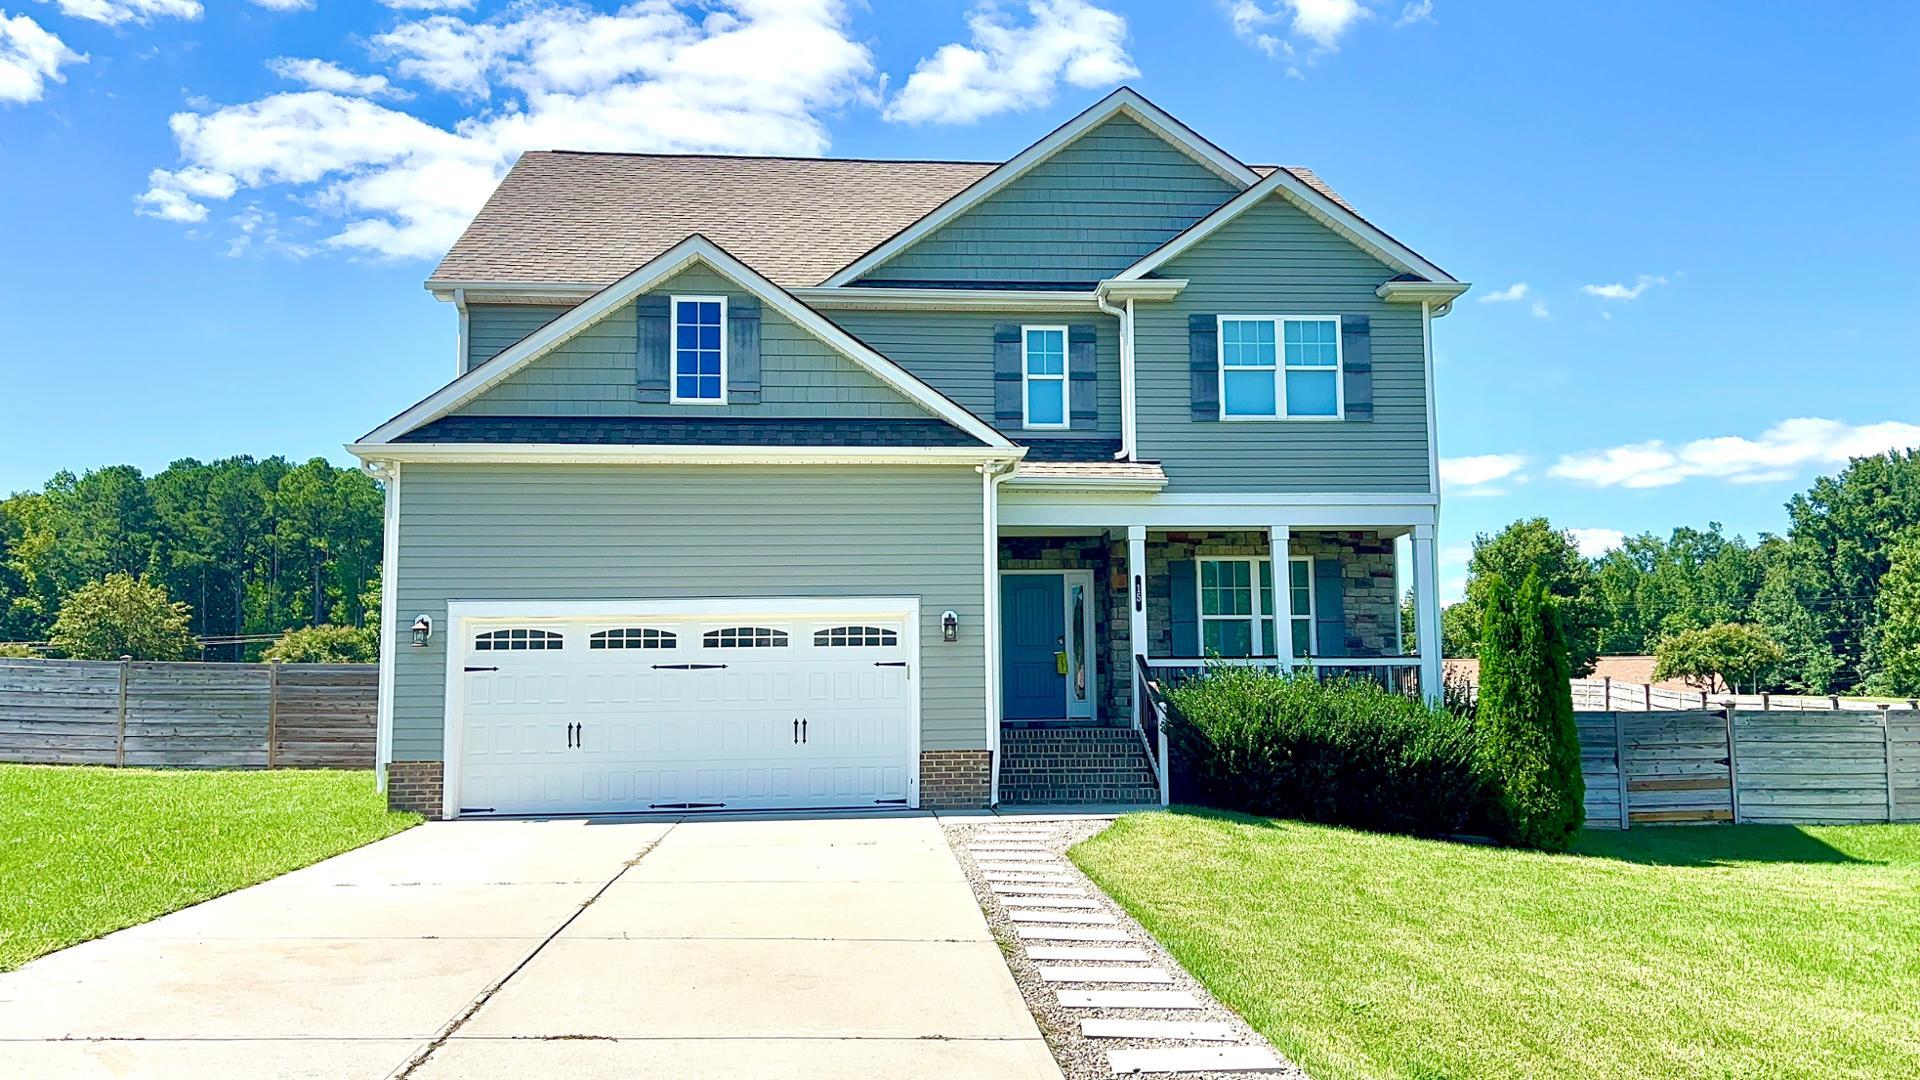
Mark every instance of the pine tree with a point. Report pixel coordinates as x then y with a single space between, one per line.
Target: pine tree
1529 747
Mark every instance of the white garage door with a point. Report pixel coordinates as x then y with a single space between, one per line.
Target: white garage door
665 709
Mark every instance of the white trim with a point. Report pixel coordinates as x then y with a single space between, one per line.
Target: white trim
462 331
1426 618
1068 578
1124 100
1054 509
486 292
862 297
389 604
673 350
1153 289
1440 293
907 609
640 454
1087 483
691 250
1336 217
1260 614
991 477
1433 415
1027 378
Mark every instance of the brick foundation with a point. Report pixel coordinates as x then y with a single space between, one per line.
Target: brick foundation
955 779
415 786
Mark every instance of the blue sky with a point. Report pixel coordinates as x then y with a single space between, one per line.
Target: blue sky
1690 226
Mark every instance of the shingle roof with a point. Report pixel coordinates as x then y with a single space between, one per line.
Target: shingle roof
689 431
1054 448
564 218
1057 472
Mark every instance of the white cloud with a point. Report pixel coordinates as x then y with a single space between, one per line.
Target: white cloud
283 5
1480 474
1617 291
327 75
1011 68
115 12
1415 12
428 5
1778 454
1321 22
748 77
30 58
1594 543
1539 310
1516 291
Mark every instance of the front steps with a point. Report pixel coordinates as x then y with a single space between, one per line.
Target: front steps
1056 765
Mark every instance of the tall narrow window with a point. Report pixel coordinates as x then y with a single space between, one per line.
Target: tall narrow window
1044 362
700 350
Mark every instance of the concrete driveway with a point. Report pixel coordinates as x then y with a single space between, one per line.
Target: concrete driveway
765 948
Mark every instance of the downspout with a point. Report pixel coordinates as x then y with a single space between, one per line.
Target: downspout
388 473
1125 315
992 475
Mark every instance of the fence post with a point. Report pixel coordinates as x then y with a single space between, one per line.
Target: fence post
1648 687
1620 765
1733 765
1886 743
1606 691
120 733
1766 702
273 709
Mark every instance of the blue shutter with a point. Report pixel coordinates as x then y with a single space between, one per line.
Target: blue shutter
1329 608
1356 362
653 361
1203 362
1007 406
1082 377
1184 615
743 349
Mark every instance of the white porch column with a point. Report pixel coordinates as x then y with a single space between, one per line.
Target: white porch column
1279 541
1136 610
1426 610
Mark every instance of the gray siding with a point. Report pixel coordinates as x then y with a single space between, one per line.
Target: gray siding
493 327
535 532
953 352
1088 212
592 374
1275 260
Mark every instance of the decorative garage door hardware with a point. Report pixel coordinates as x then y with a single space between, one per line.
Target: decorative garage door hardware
800 731
686 805
483 669
573 735
688 667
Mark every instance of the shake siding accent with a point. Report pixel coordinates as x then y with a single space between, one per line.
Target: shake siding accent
593 373
581 532
1275 260
953 352
493 327
1088 212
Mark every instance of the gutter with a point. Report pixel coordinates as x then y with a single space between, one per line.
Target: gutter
1125 315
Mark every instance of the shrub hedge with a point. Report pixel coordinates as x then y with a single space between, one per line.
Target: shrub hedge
1345 752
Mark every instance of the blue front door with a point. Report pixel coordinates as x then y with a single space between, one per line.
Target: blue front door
1034 627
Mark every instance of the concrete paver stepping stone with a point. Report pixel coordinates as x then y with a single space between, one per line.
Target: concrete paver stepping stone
1193 1030
1089 953
999 852
1070 933
1090 918
1021 867
1127 999
1051 902
1089 973
1193 1059
1016 888
1016 877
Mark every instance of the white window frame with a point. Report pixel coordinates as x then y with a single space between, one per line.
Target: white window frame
1027 377
673 350
1280 367
1282 586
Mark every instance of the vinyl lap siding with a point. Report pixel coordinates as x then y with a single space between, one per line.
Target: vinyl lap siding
1275 260
1088 212
493 327
577 532
592 374
953 352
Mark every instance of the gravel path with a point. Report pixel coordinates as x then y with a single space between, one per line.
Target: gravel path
1080 1057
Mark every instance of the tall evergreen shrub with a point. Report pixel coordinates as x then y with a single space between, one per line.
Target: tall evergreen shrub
1529 748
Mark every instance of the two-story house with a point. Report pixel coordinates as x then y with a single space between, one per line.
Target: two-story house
775 482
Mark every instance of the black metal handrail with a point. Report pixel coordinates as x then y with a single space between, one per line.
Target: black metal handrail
1151 718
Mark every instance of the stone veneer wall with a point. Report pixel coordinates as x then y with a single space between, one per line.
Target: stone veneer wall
955 779
1372 606
1113 685
415 786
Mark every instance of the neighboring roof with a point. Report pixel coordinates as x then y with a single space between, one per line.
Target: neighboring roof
690 431
1146 475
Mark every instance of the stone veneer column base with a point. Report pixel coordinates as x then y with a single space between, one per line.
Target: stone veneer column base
415 786
955 779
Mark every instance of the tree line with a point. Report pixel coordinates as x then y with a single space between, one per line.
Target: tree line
1831 606
251 548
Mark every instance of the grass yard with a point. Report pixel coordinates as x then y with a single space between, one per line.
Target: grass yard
1751 952
86 851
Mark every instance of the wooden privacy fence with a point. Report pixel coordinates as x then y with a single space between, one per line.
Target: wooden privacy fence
229 716
1704 765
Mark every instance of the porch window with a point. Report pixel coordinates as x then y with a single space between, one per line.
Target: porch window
1274 368
699 350
1043 355
1237 619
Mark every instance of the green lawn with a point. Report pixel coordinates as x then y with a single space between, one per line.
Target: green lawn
1750 952
86 851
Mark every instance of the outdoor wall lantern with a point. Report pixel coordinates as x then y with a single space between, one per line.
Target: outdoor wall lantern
422 630
949 626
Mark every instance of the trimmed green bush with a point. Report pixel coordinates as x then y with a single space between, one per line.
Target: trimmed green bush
1345 752
326 644
1529 747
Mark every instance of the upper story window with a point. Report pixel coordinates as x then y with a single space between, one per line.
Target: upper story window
1043 363
1238 612
699 350
1279 368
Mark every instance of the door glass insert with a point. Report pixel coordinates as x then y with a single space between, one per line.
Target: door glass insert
1077 640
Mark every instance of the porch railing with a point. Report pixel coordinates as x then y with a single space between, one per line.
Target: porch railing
1400 674
1150 722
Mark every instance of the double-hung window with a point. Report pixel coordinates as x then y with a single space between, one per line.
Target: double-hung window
1043 364
699 350
1238 612
1280 368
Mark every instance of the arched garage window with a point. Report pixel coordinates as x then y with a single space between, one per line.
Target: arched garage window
517 640
855 636
744 637
632 637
